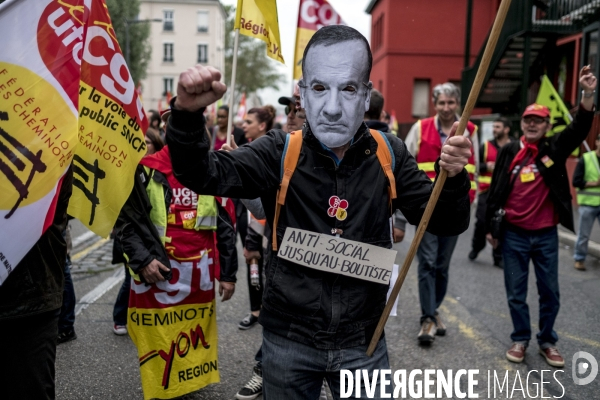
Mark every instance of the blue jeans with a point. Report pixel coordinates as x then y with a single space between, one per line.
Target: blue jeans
587 215
541 247
122 303
434 254
295 371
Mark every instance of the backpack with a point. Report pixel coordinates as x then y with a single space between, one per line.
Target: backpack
289 161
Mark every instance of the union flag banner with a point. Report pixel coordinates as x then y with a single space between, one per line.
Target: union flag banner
110 129
313 15
66 97
258 19
38 118
174 327
559 113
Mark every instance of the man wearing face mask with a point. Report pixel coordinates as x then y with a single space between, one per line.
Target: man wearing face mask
315 322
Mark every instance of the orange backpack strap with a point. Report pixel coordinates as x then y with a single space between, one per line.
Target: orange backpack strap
386 159
291 153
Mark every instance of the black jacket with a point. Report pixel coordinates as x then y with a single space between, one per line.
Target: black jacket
36 284
307 305
140 240
377 125
557 148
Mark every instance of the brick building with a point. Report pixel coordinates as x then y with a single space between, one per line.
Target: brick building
418 44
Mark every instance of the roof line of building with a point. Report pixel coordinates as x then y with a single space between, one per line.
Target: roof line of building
371 5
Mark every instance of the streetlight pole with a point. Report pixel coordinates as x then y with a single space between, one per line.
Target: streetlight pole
134 21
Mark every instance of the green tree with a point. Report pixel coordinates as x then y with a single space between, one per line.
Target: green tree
140 50
254 69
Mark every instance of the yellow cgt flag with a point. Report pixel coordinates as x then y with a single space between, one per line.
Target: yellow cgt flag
559 113
258 19
110 127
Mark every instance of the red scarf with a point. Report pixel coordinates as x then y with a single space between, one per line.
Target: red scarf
526 149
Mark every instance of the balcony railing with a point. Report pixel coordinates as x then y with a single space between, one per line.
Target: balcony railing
568 14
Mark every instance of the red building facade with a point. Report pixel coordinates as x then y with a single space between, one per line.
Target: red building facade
418 44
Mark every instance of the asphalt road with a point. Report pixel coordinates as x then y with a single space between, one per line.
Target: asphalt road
101 365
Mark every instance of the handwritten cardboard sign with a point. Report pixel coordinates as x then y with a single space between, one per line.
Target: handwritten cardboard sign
337 255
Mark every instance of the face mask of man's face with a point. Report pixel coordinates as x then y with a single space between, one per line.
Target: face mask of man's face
334 93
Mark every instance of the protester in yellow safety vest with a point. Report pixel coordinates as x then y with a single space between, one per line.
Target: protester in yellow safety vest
586 179
487 161
424 141
177 243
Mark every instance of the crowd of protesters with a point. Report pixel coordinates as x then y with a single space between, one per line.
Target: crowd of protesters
309 315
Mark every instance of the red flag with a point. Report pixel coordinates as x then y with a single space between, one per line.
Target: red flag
312 16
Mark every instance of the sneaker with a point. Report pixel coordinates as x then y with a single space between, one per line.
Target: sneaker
553 357
441 328
66 336
427 332
253 388
580 265
473 255
120 329
516 353
248 322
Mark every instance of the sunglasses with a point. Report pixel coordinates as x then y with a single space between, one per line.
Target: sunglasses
289 109
536 120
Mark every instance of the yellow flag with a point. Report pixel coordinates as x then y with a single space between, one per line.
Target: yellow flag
559 113
258 19
110 127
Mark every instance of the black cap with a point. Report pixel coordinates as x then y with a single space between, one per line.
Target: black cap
286 101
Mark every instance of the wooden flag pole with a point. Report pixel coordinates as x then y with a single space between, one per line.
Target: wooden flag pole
475 89
236 42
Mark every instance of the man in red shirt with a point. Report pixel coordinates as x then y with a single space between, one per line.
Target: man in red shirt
530 189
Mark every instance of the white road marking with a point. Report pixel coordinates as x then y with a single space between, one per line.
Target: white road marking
99 290
83 238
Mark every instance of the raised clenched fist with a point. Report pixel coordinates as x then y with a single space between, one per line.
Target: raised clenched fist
198 87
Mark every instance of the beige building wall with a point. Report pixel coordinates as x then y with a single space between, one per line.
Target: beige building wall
185 38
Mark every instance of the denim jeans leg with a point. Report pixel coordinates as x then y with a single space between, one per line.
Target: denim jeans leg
427 256
66 320
258 356
291 370
515 250
545 262
446 245
122 302
587 215
355 358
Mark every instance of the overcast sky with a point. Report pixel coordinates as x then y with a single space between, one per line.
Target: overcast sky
351 11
